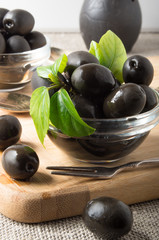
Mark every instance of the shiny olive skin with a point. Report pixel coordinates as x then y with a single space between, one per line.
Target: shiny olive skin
3 12
78 58
138 69
108 217
20 161
2 43
151 98
16 44
127 100
85 107
35 39
93 81
10 130
18 22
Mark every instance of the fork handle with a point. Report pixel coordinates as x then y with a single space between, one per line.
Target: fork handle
143 163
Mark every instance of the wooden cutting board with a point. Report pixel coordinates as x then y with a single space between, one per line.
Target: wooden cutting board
46 197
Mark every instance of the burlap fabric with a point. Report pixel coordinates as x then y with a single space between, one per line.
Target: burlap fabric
145 227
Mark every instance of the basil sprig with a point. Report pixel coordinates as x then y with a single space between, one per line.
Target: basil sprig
59 110
111 53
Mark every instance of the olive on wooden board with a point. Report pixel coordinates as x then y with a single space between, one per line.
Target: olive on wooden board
18 21
78 58
138 69
108 217
20 161
127 100
93 81
10 130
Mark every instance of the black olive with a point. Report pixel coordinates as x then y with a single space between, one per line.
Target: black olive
16 44
78 58
20 161
18 22
35 39
3 12
85 107
151 98
138 69
2 43
93 81
108 217
10 130
127 100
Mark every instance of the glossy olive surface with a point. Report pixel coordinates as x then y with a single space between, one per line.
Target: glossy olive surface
35 39
17 44
85 107
78 58
108 218
151 98
10 130
138 69
93 81
20 161
127 100
18 21
3 12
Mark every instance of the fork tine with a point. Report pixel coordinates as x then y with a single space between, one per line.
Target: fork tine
87 169
79 174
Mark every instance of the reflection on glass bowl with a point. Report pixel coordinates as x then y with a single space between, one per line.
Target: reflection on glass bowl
112 140
16 68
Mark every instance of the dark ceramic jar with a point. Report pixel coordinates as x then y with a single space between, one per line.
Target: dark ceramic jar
123 17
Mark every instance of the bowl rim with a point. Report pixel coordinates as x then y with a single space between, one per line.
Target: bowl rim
138 116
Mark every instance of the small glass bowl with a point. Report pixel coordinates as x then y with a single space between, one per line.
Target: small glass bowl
16 68
112 140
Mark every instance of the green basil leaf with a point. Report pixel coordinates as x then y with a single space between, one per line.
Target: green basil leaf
60 64
111 53
44 71
64 116
40 111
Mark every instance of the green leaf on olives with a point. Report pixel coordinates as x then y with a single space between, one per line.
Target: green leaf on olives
111 53
40 111
64 116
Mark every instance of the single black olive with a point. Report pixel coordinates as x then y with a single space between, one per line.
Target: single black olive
35 39
78 58
85 107
138 69
93 81
2 43
151 98
108 217
10 130
20 161
127 100
16 44
18 22
3 12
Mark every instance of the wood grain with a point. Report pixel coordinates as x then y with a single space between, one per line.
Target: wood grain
46 197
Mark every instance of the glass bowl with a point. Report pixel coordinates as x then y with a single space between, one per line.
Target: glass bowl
112 140
16 68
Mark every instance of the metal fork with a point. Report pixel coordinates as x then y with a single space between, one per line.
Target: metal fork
101 172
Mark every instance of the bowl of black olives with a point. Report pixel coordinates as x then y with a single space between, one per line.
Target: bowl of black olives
122 120
22 48
93 112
